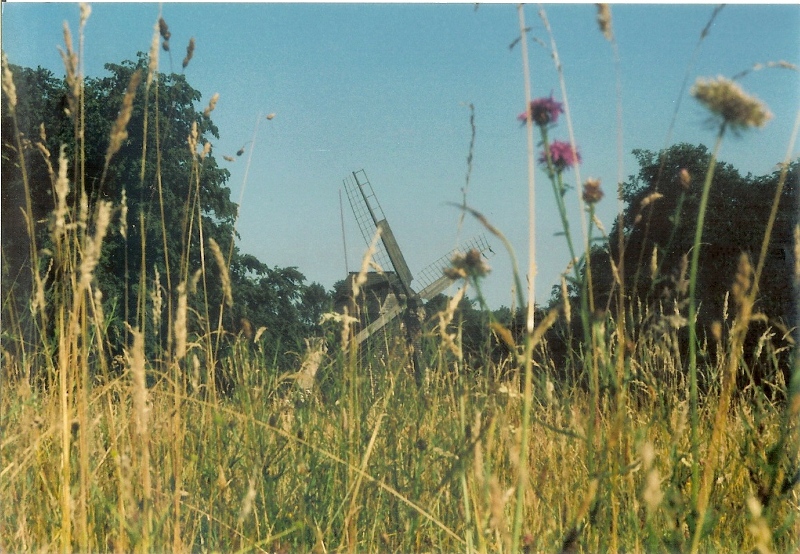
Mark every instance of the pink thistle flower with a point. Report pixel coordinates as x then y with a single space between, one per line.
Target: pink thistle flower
543 111
561 155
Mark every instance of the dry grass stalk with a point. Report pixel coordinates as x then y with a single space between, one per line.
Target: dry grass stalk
195 280
157 299
212 103
41 146
136 365
163 29
97 307
206 150
189 53
223 271
83 209
119 132
61 190
604 21
123 215
152 64
652 493
192 139
315 353
85 12
446 318
180 322
741 291
8 85
247 501
92 247
565 300
758 527
654 263
70 59
366 263
141 413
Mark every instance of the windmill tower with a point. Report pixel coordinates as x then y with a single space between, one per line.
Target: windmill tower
390 294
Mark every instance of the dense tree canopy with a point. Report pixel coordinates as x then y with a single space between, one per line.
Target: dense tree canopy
659 226
175 199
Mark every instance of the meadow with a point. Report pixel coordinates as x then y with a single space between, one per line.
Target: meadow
179 433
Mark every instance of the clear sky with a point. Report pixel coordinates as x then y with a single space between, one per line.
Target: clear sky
384 87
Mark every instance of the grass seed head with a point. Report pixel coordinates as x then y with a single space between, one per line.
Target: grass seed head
758 527
223 271
62 190
136 361
70 59
163 28
604 21
119 132
192 139
212 103
93 245
685 178
247 502
152 65
652 494
8 85
41 146
157 299
86 11
123 215
716 330
180 322
743 281
654 263
189 53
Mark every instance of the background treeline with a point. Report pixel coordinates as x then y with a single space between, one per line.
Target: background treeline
162 243
173 212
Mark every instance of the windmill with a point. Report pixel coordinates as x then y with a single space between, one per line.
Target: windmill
392 292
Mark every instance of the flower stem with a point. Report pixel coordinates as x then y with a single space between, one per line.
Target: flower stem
698 235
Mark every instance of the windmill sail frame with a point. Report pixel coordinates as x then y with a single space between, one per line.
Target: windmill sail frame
387 256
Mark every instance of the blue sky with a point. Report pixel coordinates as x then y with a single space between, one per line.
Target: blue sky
384 87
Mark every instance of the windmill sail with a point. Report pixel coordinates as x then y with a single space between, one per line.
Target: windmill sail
388 256
433 280
369 216
396 257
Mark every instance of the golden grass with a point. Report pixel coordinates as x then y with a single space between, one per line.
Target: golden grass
131 453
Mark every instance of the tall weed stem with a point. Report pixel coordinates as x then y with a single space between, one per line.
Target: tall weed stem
698 236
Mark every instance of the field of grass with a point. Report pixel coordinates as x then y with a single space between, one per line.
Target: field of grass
108 448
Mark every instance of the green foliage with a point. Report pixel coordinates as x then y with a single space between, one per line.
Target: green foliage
174 198
737 216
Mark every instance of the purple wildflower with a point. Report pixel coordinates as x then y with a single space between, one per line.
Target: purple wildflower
543 111
561 155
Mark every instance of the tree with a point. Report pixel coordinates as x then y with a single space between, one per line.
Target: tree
659 225
174 198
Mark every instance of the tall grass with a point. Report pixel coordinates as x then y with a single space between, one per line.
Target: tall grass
144 453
